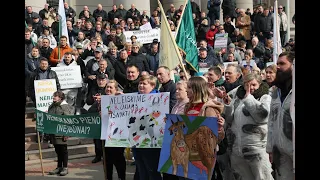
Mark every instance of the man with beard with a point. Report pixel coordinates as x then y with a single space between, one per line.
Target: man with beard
279 142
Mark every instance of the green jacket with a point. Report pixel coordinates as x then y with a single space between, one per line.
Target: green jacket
60 108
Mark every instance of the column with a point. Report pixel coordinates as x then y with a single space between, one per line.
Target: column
36 5
140 5
176 3
77 5
244 4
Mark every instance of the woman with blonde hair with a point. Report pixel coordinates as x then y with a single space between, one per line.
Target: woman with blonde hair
200 104
247 113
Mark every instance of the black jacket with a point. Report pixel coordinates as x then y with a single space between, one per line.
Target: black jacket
35 76
89 70
92 92
120 72
264 23
101 13
140 60
131 86
170 87
46 52
29 67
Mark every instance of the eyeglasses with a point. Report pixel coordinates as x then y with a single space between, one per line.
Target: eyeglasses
135 47
181 77
280 8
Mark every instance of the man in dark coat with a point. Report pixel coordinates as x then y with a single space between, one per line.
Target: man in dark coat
138 58
43 72
120 67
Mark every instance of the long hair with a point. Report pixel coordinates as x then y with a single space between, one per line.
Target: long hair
200 90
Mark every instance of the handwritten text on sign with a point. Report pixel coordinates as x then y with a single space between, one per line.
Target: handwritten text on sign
143 36
134 120
84 125
69 76
44 90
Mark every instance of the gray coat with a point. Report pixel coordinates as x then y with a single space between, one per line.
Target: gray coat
63 109
280 125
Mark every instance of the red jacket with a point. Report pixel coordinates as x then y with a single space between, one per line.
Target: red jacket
211 33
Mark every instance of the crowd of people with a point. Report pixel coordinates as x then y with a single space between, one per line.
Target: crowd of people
250 97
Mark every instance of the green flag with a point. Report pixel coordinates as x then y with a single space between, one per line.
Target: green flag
186 38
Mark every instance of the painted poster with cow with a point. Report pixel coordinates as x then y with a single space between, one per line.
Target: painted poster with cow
134 120
189 146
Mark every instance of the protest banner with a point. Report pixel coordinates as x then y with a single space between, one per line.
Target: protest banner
221 42
146 26
84 125
44 90
183 152
143 36
69 76
136 120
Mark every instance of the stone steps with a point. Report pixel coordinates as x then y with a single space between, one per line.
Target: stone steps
50 153
72 141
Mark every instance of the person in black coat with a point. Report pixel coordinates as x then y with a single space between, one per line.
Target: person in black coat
45 49
120 67
163 75
93 65
132 80
91 98
139 59
43 72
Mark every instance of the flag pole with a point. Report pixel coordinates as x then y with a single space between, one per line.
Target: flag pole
104 159
40 153
174 44
60 24
184 7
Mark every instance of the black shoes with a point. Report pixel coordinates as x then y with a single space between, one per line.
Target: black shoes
95 160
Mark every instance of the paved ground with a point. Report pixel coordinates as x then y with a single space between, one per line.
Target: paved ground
78 169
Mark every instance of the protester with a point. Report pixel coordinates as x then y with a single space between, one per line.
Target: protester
147 159
60 107
279 142
248 113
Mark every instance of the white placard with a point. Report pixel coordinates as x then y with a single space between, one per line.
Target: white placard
221 40
44 90
146 26
134 120
69 76
145 36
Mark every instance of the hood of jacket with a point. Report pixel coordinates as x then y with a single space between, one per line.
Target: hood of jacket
30 56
